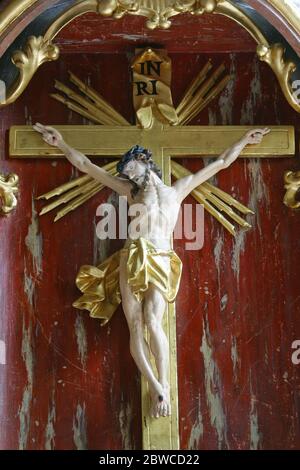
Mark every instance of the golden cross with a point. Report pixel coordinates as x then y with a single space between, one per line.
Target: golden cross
161 128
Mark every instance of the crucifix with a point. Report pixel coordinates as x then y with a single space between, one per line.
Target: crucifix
162 128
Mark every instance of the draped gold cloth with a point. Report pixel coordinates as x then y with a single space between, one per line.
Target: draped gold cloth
100 285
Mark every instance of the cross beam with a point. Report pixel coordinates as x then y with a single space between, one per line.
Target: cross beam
191 141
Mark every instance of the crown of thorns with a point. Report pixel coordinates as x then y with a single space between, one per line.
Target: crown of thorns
135 153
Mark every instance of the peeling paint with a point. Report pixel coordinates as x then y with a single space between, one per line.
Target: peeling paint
29 286
238 249
255 434
50 431
226 100
24 417
234 358
217 254
249 108
258 194
34 241
25 408
81 339
125 422
197 429
223 302
213 388
212 117
79 428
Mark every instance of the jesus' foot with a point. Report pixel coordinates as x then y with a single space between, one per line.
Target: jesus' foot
166 404
160 401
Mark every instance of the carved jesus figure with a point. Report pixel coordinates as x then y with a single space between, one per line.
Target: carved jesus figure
144 303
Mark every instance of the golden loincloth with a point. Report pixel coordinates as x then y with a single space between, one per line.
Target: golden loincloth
100 285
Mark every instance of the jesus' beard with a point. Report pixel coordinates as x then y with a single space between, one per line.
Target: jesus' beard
137 187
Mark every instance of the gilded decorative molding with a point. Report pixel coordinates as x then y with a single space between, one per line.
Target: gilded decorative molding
228 9
274 57
36 51
8 189
158 14
13 11
292 186
16 8
287 11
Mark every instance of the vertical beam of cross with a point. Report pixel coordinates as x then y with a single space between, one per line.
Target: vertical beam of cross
162 433
154 107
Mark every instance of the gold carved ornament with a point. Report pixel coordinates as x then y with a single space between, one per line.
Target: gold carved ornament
292 186
15 8
8 190
158 13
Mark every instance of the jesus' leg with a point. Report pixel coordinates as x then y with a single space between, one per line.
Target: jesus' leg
154 308
134 316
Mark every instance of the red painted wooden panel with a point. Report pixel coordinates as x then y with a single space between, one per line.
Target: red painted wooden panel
238 385
188 33
69 383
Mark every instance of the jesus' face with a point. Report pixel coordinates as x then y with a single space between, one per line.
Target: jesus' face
135 170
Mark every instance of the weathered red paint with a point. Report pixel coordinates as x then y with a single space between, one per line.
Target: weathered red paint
202 33
237 310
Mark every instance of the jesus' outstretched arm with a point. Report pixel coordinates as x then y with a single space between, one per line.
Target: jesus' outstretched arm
185 185
53 137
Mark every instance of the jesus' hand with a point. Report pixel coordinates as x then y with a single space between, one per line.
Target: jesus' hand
50 135
255 136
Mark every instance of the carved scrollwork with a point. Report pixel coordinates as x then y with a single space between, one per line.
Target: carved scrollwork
158 12
197 7
292 186
36 51
117 7
283 69
8 189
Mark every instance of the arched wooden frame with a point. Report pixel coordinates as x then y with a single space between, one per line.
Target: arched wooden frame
41 49
282 17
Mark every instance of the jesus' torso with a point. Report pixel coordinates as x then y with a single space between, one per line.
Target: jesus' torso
153 212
